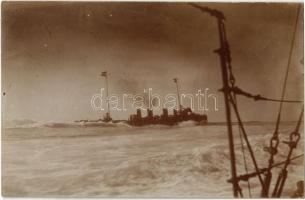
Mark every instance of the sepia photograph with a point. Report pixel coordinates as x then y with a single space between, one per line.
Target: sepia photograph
109 99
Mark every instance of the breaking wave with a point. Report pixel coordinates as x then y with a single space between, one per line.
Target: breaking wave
34 124
24 123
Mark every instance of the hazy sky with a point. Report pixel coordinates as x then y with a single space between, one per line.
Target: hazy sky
53 54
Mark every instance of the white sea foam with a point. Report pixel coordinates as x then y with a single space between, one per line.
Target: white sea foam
121 161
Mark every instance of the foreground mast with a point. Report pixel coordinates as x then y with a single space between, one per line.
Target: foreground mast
230 91
225 62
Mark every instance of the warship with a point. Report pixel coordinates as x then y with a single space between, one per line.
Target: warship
179 115
184 114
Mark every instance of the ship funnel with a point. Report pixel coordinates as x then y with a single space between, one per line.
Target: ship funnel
149 113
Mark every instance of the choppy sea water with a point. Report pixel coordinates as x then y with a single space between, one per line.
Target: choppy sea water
116 160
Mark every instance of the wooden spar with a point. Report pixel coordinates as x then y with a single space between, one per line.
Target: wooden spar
224 56
223 61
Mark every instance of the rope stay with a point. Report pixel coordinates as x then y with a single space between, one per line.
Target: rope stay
247 141
243 149
238 91
292 143
274 140
244 159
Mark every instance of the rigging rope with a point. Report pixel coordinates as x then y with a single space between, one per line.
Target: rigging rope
243 150
258 97
288 66
292 143
245 161
245 177
274 141
247 141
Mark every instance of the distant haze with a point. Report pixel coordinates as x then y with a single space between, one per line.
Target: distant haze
53 54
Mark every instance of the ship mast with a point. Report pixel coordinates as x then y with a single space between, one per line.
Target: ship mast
107 117
178 94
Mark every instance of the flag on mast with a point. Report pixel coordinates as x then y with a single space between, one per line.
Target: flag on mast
104 73
175 80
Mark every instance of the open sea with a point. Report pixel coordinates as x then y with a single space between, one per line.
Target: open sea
116 160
